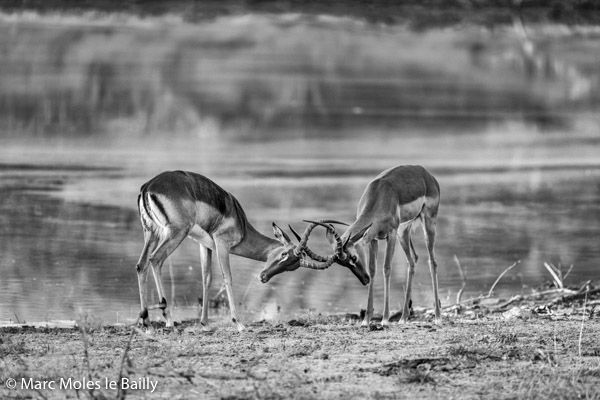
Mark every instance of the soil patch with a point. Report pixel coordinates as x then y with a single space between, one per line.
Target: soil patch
311 356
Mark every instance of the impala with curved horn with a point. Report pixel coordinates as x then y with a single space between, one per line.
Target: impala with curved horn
178 204
356 265
389 206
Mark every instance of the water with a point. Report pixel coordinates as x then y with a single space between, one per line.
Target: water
295 130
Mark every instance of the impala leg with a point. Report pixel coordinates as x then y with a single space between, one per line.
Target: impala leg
170 242
413 252
429 227
373 247
406 243
223 257
150 241
387 273
205 265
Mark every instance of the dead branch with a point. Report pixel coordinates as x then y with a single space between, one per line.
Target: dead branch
500 277
556 275
568 271
576 296
121 393
547 298
86 358
462 278
505 304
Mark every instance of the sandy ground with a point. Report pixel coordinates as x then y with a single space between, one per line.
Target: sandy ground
309 357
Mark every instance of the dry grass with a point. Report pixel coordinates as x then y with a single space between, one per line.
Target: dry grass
317 356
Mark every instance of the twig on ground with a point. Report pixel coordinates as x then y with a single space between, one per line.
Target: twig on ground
163 373
585 287
568 272
121 393
540 300
473 302
556 275
575 296
582 323
86 358
462 278
469 302
505 304
500 277
553 292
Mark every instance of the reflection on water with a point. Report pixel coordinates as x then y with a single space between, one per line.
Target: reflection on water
64 258
293 116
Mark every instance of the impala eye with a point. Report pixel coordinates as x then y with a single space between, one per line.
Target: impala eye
354 258
284 255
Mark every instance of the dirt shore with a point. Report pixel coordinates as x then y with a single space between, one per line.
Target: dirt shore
309 357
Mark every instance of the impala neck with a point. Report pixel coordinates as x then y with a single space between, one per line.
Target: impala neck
255 245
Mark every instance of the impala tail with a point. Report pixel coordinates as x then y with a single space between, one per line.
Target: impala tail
152 212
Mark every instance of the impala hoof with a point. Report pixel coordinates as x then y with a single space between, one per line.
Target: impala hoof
144 318
240 326
144 314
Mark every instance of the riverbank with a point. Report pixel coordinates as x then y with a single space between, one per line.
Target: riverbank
499 356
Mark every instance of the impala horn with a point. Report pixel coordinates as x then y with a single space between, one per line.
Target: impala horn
323 262
313 265
302 241
339 250
309 252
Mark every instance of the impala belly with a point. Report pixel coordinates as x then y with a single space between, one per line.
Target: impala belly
211 222
207 219
201 236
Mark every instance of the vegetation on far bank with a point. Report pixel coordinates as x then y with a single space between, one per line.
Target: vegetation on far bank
267 69
420 14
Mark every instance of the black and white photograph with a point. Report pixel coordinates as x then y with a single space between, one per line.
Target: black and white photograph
287 199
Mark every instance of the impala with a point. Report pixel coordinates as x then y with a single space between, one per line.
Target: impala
391 203
178 204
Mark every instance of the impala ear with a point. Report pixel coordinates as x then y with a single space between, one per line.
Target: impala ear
356 236
281 235
331 238
295 233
